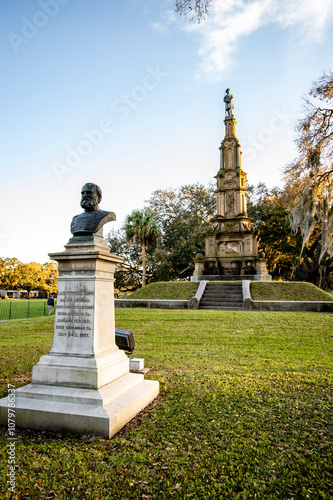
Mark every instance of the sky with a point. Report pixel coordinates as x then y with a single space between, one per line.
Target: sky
129 95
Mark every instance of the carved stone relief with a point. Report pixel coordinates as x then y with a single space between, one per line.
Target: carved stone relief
230 175
229 226
230 185
229 247
230 201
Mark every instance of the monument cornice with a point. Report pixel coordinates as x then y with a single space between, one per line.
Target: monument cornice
89 255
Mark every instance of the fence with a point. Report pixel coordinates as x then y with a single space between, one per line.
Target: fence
21 308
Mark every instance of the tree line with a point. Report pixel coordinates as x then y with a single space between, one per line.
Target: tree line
15 275
294 224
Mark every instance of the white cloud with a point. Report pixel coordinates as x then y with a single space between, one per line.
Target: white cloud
227 22
312 16
167 19
230 20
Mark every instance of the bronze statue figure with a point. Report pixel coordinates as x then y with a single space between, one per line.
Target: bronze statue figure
229 105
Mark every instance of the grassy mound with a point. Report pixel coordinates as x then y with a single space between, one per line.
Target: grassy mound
245 412
167 290
260 290
286 290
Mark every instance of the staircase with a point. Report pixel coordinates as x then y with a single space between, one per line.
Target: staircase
222 296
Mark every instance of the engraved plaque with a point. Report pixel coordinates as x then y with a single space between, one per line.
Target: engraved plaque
74 321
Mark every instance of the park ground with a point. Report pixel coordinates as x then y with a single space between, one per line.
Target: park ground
245 411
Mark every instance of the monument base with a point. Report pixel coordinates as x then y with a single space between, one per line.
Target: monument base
78 371
100 412
231 277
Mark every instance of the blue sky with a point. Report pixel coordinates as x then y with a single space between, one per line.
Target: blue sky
130 96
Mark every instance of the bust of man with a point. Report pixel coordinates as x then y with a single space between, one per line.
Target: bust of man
92 220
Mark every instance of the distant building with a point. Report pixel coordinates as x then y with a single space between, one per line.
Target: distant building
22 294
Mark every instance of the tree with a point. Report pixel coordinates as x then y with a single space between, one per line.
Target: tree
33 276
283 247
10 273
141 228
197 8
309 178
183 216
270 221
49 277
128 274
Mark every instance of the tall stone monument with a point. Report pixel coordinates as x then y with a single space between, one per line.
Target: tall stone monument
231 249
83 384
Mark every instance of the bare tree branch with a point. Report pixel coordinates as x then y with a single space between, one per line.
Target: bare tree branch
198 9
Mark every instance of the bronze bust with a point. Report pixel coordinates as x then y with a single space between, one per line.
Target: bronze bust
92 220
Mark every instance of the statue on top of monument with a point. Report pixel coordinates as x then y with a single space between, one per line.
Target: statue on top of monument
229 104
92 219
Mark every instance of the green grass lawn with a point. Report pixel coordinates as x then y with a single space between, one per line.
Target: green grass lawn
167 290
287 290
22 308
245 411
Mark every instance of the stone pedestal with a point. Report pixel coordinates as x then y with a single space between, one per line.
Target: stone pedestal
261 267
199 265
83 384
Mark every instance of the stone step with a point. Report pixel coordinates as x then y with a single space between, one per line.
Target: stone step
222 296
221 300
205 301
219 289
224 287
221 308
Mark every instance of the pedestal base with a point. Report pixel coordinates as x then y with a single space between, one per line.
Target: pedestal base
78 371
100 412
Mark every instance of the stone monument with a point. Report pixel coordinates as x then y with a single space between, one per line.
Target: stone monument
83 384
231 249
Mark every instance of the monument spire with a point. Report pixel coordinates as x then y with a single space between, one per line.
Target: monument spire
231 247
231 179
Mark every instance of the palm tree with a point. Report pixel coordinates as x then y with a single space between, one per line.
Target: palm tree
140 227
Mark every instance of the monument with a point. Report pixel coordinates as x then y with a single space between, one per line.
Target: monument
83 384
231 248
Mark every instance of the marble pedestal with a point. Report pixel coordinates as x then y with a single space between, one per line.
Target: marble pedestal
83 384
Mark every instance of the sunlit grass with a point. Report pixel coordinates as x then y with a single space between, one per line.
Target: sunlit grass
167 290
245 411
287 290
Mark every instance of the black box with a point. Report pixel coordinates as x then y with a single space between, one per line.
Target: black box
125 340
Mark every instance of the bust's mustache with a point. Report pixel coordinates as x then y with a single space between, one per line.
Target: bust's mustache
88 203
